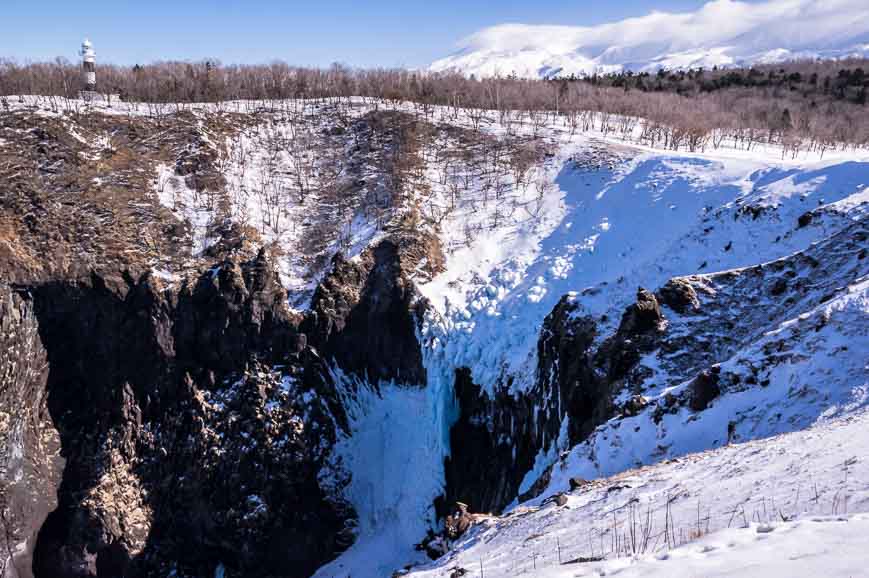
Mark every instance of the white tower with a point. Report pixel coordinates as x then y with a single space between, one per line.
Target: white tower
88 66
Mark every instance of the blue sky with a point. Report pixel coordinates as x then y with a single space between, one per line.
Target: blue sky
384 33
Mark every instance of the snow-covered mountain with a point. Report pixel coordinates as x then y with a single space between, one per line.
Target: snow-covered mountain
721 33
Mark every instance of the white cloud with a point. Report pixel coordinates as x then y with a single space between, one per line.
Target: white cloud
720 32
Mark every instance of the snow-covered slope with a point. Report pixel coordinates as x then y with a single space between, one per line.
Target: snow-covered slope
813 546
614 222
736 499
721 33
595 219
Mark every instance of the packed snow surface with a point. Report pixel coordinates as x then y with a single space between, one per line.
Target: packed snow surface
720 33
810 547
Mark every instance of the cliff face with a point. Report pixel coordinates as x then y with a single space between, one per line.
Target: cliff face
195 422
497 439
164 412
194 425
30 462
365 314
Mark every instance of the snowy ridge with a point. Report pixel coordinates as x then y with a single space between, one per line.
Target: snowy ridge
721 33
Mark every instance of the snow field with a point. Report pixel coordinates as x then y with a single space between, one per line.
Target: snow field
829 546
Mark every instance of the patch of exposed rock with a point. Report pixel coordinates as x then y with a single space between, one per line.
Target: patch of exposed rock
366 312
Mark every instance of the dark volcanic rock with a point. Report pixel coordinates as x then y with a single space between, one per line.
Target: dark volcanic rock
566 367
640 330
779 286
635 405
642 317
459 521
30 464
679 295
577 483
107 362
365 316
183 446
704 388
485 468
196 420
232 311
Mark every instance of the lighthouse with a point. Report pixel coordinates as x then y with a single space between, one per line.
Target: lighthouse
88 66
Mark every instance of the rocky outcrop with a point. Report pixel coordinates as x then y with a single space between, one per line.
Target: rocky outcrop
498 436
235 311
459 521
679 295
639 332
704 388
725 311
197 418
365 315
30 462
566 365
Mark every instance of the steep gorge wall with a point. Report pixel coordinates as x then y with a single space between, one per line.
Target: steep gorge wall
30 462
498 439
365 314
197 421
194 412
184 447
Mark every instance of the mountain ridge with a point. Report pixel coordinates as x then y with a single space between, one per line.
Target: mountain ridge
721 33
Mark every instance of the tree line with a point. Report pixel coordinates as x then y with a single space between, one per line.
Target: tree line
817 81
801 105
